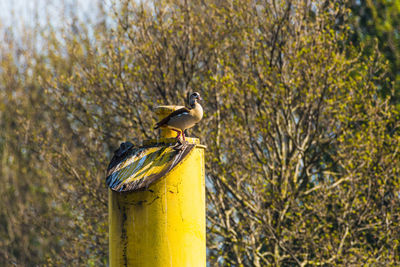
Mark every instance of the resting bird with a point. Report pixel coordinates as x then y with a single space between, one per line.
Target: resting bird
183 118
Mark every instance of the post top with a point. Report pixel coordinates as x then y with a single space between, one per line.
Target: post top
169 141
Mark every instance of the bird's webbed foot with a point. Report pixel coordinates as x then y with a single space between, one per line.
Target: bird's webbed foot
180 144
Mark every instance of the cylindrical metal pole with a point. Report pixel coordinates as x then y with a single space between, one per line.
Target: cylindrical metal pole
164 225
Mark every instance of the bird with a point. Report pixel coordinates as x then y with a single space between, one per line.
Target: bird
183 118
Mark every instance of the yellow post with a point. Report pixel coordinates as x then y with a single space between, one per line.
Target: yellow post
165 224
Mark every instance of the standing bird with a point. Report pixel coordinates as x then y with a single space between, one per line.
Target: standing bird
183 118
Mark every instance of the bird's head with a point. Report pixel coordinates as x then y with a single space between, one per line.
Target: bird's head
194 97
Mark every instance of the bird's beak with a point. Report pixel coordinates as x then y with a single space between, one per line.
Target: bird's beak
199 98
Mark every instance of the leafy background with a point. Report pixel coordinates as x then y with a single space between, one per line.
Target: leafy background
301 122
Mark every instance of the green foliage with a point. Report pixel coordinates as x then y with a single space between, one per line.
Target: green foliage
377 23
302 158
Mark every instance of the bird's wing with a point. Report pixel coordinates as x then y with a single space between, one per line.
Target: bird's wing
173 114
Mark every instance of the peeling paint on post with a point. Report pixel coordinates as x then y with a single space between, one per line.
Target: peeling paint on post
158 220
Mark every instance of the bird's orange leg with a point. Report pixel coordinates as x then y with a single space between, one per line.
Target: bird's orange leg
183 135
